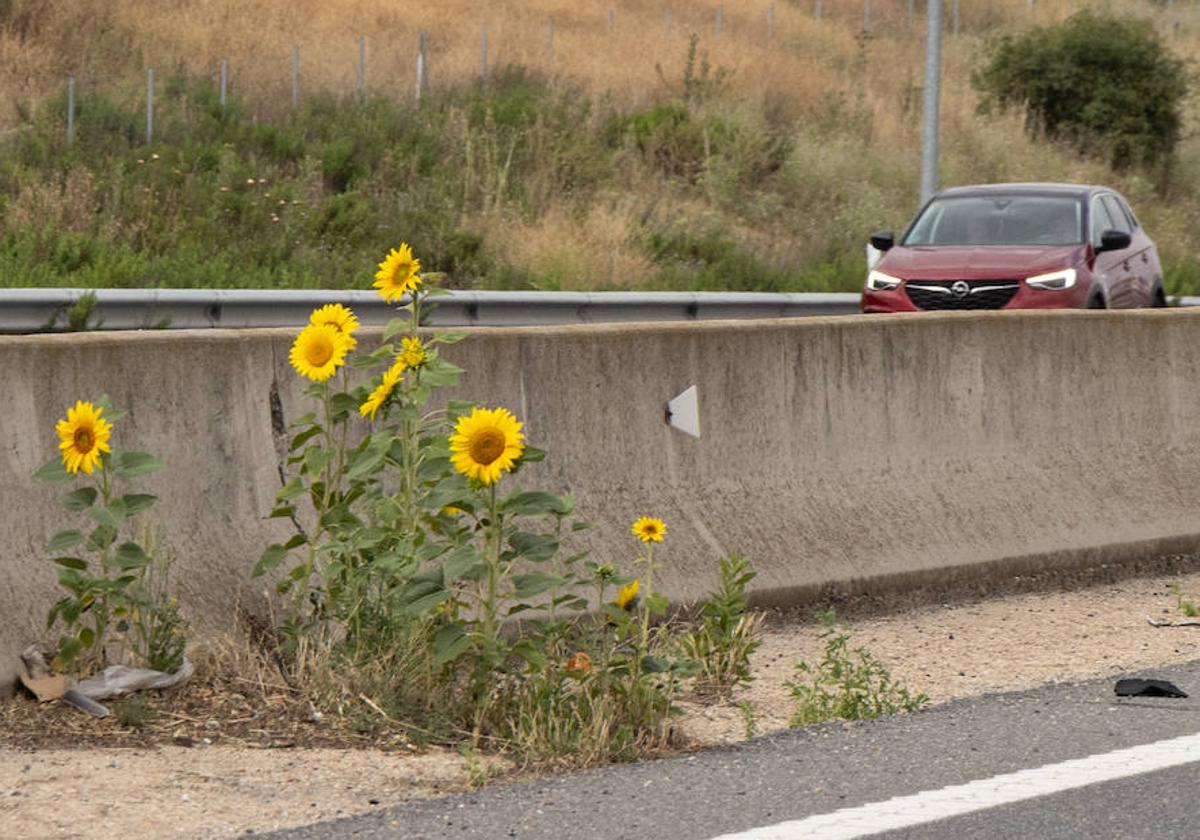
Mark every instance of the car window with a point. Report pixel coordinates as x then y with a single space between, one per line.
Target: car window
1127 210
1004 219
1119 220
1101 221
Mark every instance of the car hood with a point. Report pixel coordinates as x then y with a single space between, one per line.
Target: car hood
972 262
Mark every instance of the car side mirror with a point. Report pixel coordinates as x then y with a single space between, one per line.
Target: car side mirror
883 240
1114 240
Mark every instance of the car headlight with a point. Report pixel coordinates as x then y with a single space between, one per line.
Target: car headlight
877 281
1055 280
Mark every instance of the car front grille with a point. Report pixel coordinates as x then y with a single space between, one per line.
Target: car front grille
960 294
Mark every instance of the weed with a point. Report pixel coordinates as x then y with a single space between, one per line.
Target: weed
1185 605
847 684
749 720
727 636
134 712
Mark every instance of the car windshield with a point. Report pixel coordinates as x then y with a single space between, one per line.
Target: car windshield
1000 220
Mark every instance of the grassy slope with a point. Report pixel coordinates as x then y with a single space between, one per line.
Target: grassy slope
609 165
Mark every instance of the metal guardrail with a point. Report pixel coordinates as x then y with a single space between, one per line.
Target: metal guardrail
41 310
47 310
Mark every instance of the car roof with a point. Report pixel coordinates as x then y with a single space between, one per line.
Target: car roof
1043 188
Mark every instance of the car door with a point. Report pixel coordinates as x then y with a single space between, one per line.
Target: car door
1112 268
1137 260
1145 259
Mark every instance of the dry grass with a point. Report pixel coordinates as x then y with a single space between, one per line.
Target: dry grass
44 41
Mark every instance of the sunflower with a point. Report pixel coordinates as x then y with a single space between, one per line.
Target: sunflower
412 352
648 529
319 351
627 595
379 396
397 274
486 443
339 317
83 436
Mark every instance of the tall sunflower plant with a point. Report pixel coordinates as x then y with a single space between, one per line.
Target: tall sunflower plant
404 522
104 575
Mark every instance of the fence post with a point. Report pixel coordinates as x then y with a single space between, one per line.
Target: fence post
422 70
483 49
361 81
296 76
224 82
149 106
70 110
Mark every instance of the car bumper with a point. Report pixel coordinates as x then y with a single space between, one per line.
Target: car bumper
1027 297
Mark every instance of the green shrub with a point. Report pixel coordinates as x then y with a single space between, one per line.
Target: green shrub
1106 84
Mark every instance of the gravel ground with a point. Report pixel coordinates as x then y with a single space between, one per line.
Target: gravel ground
228 788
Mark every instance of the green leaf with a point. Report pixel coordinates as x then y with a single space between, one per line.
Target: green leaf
448 338
304 437
537 548
536 503
535 583
657 603
426 603
54 471
315 460
101 538
112 415
64 540
449 643
137 502
68 649
131 556
395 327
291 490
111 516
342 405
132 464
304 420
80 499
87 636
71 563
270 558
654 665
529 652
296 541
462 561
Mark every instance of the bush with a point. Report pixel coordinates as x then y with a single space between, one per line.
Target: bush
1108 85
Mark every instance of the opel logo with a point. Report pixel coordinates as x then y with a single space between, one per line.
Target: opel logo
960 288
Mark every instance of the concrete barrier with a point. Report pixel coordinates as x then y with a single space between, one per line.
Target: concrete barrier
854 451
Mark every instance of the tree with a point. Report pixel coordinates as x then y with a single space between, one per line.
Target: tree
1108 85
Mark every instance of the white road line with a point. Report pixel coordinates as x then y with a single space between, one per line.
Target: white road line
932 805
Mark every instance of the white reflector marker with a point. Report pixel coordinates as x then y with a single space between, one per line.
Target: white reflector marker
683 412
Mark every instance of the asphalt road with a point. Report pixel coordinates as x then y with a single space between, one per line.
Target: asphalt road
822 769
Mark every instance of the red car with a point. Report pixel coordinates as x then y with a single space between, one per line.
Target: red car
1017 246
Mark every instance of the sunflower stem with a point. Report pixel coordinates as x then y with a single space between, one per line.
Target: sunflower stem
492 550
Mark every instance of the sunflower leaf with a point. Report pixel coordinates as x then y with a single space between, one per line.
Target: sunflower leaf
131 464
395 327
72 563
536 503
303 438
130 555
342 405
112 415
448 338
270 558
450 643
535 583
80 499
53 471
137 502
304 420
111 516
291 490
529 652
101 538
537 548
64 540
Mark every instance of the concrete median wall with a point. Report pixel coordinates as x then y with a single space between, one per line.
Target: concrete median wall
855 452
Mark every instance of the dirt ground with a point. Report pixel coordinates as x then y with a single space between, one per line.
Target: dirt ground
61 775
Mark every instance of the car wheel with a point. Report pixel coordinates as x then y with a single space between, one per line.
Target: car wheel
1159 298
1096 301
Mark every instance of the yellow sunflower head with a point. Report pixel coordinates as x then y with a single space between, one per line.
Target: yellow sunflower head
486 443
397 274
83 437
412 352
339 317
648 529
382 391
627 595
319 351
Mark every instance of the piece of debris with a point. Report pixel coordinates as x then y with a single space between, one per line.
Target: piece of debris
38 677
1162 622
1133 687
85 703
